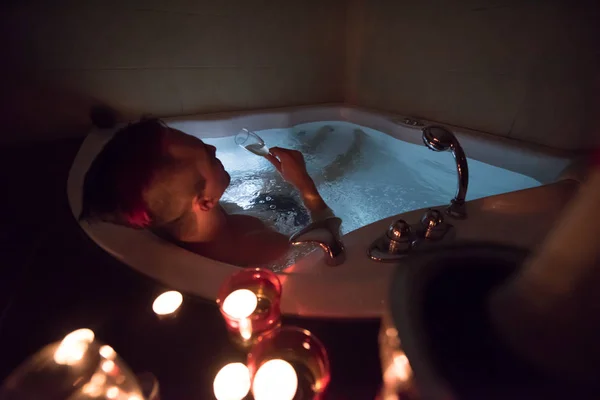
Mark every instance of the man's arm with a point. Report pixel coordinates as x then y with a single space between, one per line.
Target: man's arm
291 166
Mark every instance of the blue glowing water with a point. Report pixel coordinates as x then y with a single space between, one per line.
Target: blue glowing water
363 175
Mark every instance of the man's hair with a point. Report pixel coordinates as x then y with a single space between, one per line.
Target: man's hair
114 186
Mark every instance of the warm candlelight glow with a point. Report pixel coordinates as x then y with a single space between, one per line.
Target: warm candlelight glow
73 347
246 329
107 366
399 371
94 387
80 335
112 392
275 380
167 303
232 382
108 352
402 367
240 303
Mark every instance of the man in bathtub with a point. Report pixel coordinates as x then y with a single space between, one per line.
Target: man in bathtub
155 177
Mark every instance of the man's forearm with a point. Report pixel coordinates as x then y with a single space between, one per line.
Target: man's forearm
315 204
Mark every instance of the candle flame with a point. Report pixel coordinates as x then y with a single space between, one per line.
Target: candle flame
73 347
108 352
240 303
275 380
167 303
232 382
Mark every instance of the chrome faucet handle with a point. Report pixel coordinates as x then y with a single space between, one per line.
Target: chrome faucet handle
438 138
457 209
399 237
325 233
433 225
398 240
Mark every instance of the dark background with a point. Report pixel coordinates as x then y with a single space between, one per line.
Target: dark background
54 279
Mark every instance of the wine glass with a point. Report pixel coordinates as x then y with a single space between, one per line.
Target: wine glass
78 368
251 142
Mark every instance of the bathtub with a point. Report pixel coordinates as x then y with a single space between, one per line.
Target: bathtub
357 288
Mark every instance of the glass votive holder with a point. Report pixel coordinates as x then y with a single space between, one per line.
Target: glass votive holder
289 363
77 368
249 301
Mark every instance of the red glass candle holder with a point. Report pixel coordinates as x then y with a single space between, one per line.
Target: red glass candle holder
250 304
293 349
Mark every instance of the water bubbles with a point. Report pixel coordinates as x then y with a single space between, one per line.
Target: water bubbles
363 175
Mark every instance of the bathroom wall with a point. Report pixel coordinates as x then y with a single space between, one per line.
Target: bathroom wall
163 57
525 69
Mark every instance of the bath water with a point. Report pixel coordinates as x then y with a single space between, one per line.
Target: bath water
364 175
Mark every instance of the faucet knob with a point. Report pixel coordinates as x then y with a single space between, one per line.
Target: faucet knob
399 231
434 227
399 237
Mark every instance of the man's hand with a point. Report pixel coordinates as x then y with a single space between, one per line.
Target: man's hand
291 166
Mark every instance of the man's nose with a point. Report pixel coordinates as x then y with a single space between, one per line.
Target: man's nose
213 149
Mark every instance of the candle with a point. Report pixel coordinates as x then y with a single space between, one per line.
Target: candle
240 304
232 382
275 380
249 303
73 347
112 392
167 303
107 352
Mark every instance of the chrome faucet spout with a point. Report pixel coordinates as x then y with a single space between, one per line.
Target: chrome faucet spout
438 138
325 233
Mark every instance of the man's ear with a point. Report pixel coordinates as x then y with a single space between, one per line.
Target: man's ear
206 203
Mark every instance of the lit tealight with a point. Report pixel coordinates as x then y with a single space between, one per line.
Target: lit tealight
232 382
73 347
94 387
275 380
167 303
107 366
240 303
112 392
80 335
108 352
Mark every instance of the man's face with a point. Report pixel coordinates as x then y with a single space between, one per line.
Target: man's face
197 167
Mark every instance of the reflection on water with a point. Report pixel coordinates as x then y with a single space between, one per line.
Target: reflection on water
363 175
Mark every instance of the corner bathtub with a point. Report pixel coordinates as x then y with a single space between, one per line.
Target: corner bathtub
357 288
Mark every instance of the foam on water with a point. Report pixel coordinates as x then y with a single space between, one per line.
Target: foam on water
363 175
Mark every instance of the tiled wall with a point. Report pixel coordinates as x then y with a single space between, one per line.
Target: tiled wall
169 57
527 69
